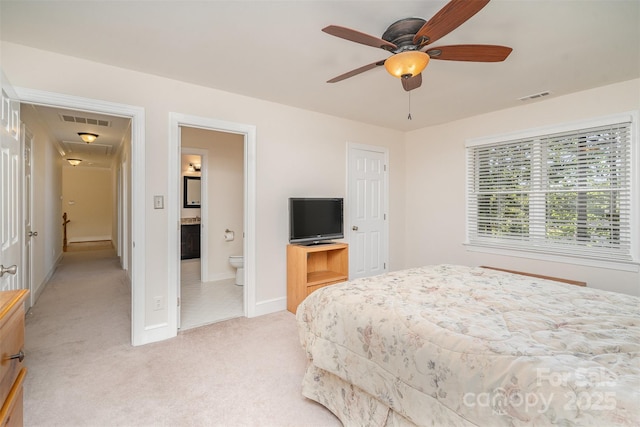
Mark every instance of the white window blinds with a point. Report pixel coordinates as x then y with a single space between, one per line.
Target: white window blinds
566 193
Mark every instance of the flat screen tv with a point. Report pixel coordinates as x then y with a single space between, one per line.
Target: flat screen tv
315 220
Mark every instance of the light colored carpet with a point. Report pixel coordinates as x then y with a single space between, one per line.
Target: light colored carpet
83 370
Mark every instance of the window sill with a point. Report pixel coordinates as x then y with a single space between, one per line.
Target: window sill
591 262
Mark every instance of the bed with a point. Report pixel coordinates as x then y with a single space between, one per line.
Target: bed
451 345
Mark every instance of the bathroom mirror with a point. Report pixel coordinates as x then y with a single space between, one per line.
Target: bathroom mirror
191 191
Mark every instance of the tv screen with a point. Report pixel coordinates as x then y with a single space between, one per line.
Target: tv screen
313 220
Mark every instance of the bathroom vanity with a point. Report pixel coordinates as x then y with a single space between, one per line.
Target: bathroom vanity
189 239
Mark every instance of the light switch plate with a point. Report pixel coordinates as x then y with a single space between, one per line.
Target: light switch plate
158 202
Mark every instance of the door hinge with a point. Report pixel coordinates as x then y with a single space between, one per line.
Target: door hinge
178 301
384 216
385 168
385 265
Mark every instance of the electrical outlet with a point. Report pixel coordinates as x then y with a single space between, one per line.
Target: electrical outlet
157 303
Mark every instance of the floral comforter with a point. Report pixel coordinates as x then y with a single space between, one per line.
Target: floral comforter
454 345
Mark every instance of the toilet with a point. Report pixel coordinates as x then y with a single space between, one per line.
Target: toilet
237 262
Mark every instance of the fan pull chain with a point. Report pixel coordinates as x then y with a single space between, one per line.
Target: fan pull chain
409 116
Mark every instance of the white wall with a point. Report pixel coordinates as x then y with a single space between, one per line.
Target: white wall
87 197
435 213
298 152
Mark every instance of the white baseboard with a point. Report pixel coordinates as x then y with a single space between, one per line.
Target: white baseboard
155 333
270 306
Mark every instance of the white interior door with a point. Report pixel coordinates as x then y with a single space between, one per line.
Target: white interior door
367 197
10 164
124 212
29 232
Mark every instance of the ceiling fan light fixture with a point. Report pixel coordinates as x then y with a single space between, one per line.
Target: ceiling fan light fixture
407 64
88 137
74 162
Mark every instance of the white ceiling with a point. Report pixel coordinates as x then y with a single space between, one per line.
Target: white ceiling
275 50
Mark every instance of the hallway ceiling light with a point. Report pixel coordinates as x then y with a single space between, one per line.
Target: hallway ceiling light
88 137
194 167
74 162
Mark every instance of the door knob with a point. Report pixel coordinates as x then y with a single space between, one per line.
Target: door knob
354 228
33 234
10 270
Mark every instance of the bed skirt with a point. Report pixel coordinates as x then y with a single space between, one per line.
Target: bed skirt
355 407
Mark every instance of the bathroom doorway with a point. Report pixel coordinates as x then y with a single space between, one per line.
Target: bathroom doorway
211 226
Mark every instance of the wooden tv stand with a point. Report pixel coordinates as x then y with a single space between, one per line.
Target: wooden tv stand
312 267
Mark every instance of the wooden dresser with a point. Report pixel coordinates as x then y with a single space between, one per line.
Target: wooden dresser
12 369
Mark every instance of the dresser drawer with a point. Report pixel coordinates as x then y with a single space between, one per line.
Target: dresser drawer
11 343
11 414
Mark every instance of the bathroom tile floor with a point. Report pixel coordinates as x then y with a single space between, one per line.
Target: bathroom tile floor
208 302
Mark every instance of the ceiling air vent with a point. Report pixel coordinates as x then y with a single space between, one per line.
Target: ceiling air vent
535 96
84 120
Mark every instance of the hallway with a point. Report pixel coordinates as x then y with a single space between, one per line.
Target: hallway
90 297
82 316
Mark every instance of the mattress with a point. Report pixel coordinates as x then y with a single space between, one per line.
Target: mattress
456 345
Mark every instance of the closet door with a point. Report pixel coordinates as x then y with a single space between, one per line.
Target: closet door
10 164
367 207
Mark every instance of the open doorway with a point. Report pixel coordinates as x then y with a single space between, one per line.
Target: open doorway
129 178
72 189
247 135
211 226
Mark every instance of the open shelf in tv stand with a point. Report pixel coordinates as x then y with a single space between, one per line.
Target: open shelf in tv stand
312 267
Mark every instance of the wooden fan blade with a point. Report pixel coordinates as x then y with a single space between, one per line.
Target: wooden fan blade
450 17
470 52
356 71
412 82
358 37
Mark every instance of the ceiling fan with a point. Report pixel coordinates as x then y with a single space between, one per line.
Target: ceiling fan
409 39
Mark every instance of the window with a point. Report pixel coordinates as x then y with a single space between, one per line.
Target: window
564 193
